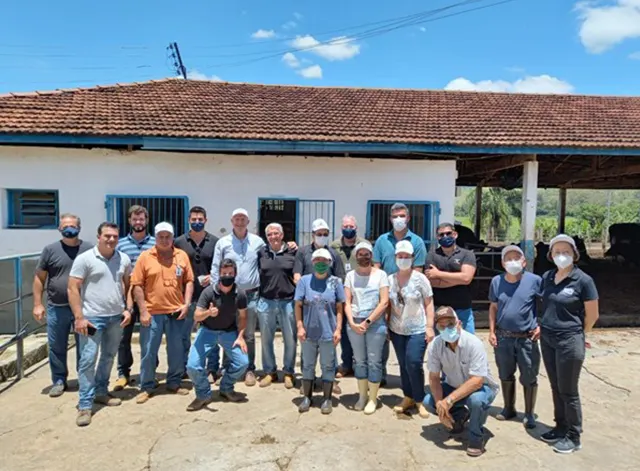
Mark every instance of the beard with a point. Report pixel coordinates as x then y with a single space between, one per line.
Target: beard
139 228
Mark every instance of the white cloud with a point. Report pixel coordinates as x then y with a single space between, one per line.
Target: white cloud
313 72
289 25
423 29
193 74
297 16
604 26
291 60
529 84
263 34
336 49
635 56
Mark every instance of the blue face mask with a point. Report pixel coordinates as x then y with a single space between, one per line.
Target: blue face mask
197 226
70 232
349 233
447 242
450 334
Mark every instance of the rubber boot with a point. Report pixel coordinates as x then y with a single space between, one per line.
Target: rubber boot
530 395
509 395
307 389
363 389
327 390
372 405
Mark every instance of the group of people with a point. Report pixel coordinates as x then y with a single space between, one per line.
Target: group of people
346 292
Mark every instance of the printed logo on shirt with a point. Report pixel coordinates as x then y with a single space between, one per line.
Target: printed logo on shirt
568 291
457 260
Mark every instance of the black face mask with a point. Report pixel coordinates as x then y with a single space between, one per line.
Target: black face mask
364 261
227 280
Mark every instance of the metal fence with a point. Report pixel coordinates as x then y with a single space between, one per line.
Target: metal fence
309 211
16 299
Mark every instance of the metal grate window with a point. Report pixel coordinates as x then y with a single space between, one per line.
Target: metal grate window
173 209
424 218
32 209
282 211
309 211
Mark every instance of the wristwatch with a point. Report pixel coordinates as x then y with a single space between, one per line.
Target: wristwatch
450 401
367 321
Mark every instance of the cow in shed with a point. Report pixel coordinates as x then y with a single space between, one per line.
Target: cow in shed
625 242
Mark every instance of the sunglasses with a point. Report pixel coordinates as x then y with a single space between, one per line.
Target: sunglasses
197 258
444 234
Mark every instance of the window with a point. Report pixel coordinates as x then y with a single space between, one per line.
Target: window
32 209
295 216
425 216
173 209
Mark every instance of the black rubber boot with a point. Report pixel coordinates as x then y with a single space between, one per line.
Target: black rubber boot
307 388
327 390
509 395
530 395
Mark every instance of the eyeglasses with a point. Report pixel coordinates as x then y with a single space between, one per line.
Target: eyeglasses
444 234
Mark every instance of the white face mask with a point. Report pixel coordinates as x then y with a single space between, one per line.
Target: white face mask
563 261
321 241
513 267
399 224
404 263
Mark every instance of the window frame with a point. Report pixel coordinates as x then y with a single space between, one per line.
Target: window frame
15 221
431 217
112 213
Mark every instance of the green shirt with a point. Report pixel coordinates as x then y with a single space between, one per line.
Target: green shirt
349 262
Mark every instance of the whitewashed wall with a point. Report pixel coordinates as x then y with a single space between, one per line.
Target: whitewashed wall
218 182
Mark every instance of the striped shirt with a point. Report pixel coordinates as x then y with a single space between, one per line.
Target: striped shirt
133 248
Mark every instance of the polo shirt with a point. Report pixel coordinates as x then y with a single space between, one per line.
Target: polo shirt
130 246
319 297
245 253
102 282
458 297
163 286
516 302
563 304
347 253
384 251
228 305
304 264
200 255
276 273
469 359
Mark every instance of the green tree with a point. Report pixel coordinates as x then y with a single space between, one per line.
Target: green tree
496 213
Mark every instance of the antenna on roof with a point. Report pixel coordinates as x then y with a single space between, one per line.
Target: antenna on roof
177 60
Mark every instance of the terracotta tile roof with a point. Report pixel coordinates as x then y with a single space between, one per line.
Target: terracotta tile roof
200 109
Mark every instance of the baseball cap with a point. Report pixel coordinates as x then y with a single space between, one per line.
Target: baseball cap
404 246
511 248
363 245
445 312
321 253
319 224
164 227
564 238
241 211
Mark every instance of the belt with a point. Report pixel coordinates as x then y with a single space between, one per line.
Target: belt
516 335
251 291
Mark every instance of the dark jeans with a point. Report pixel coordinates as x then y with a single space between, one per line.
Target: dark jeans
346 352
563 354
522 353
125 357
410 350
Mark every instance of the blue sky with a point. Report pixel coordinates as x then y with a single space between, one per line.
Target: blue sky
562 46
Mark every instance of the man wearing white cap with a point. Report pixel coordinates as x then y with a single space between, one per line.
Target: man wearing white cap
514 332
162 288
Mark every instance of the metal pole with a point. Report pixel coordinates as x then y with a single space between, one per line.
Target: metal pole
562 212
478 215
17 270
529 207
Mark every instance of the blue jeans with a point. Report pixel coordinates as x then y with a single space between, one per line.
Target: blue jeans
346 351
310 351
367 349
59 324
94 381
204 342
466 317
478 404
186 333
410 350
271 314
151 339
521 352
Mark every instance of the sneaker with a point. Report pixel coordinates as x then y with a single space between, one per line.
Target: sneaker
475 448
566 446
84 418
231 396
529 421
288 381
178 390
552 435
198 404
406 404
121 383
108 400
250 379
336 390
142 397
57 390
267 380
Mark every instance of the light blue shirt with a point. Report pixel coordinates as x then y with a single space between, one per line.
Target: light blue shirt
384 252
242 251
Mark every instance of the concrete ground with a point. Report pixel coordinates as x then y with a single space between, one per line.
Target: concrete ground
267 433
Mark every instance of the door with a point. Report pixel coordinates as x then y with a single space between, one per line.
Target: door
173 209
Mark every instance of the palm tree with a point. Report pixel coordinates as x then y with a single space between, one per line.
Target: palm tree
496 212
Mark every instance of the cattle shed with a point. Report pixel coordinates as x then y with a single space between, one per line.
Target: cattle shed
293 153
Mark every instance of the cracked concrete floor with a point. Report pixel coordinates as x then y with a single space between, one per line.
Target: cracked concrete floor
267 433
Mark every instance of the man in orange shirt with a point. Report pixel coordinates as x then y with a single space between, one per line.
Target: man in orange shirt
162 284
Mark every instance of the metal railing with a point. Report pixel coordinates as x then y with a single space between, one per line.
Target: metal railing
14 264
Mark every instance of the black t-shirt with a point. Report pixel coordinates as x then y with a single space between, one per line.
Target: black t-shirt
228 305
276 273
200 255
563 304
56 259
304 264
458 297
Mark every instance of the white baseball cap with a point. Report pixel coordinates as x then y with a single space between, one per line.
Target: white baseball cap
511 248
321 253
163 227
404 246
319 224
241 211
564 238
364 245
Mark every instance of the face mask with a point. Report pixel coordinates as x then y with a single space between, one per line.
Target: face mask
399 224
227 280
513 267
450 334
447 242
348 233
321 267
563 261
321 241
364 261
70 232
404 263
139 228
197 226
